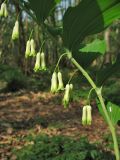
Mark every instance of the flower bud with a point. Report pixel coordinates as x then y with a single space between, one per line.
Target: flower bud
89 115
84 115
43 64
32 44
66 97
15 33
27 52
54 83
37 64
60 81
2 9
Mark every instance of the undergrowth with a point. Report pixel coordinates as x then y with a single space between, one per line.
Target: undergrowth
43 147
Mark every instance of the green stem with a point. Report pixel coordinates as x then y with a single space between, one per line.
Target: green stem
31 34
41 48
59 61
89 95
72 76
99 94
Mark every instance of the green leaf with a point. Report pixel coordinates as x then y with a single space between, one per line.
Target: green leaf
107 72
54 31
88 18
113 111
97 46
42 8
86 58
87 54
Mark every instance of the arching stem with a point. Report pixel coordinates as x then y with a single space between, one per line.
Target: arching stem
99 95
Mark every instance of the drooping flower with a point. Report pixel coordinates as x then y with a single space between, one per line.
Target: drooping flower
66 97
84 115
89 115
27 52
54 83
60 81
71 86
32 51
43 64
15 33
37 64
3 10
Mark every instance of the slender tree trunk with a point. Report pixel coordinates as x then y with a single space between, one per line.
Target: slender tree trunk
108 56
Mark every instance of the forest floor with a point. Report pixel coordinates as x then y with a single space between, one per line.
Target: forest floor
25 113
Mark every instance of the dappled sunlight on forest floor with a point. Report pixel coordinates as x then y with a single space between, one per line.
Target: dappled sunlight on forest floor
25 113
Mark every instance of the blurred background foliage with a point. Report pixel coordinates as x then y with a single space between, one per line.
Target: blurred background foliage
16 72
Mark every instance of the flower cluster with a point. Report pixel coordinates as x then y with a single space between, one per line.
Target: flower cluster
3 10
87 115
40 62
57 82
30 48
15 33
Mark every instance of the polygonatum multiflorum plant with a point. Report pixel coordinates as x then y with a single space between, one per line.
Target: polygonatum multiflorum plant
87 18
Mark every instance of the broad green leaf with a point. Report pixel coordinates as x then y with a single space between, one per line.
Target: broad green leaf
42 8
97 46
86 58
113 111
54 31
89 52
107 72
88 18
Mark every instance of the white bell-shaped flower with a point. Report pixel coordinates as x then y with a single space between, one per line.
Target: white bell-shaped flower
89 115
37 63
43 64
15 33
54 83
60 81
32 51
5 10
2 9
84 115
66 97
27 52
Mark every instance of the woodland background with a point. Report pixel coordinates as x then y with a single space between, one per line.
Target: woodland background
28 109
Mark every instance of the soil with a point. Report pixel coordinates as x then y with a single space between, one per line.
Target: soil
25 113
